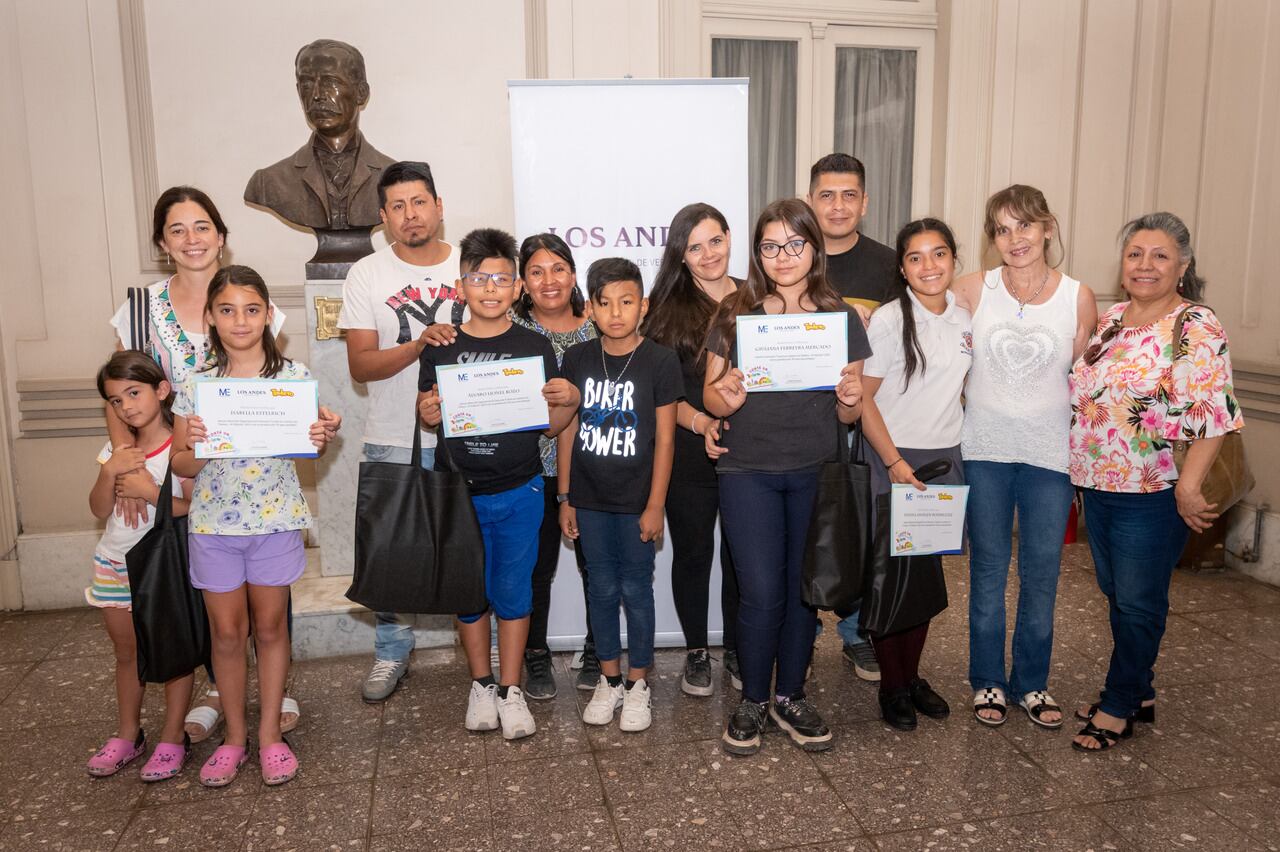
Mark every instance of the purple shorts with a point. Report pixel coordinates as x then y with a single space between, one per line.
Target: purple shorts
224 563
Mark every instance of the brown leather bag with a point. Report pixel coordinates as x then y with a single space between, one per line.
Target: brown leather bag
1229 478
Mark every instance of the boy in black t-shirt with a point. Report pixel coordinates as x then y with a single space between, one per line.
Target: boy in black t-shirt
614 467
504 472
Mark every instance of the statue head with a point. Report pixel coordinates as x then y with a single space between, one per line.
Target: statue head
331 86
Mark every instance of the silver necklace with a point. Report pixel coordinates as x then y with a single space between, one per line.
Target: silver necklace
605 366
1022 303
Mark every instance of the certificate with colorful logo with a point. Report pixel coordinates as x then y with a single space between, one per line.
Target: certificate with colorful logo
492 397
790 352
928 521
256 418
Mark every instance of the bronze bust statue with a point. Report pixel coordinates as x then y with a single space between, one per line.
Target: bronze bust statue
330 183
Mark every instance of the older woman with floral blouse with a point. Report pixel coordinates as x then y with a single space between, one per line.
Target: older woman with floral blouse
1135 391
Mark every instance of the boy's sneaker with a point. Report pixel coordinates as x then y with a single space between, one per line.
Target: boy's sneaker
863 657
746 725
539 682
482 707
637 713
731 666
604 701
802 723
589 673
697 673
517 721
383 679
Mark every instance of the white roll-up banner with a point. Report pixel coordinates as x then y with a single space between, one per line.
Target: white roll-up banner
605 164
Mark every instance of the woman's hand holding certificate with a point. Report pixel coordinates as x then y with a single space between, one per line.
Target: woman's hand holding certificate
788 352
490 397
254 418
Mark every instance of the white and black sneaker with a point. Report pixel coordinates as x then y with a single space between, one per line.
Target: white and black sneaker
588 670
637 707
745 727
514 714
482 707
802 723
731 666
697 673
604 702
539 681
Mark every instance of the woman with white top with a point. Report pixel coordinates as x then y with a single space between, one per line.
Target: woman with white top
922 346
1030 322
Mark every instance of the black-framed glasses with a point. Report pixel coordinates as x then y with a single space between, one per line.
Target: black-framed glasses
795 248
501 280
1094 352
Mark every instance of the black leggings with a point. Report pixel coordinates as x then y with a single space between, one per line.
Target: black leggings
544 570
691 517
899 657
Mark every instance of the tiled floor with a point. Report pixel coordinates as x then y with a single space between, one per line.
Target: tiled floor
405 775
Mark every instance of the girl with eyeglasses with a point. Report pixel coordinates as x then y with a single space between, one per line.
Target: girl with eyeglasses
775 446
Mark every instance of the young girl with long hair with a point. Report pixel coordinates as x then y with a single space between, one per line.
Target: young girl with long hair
692 281
769 474
911 415
246 522
139 396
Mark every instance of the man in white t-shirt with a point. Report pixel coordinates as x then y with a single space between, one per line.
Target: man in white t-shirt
389 300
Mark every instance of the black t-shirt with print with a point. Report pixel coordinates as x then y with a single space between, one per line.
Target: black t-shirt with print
866 273
612 466
491 463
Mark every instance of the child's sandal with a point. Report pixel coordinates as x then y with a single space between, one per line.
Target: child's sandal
116 754
167 760
203 718
278 764
223 765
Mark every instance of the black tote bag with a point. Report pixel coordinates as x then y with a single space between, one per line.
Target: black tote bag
901 591
169 622
837 548
418 547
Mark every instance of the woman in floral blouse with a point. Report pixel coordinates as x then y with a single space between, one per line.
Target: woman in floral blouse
1135 391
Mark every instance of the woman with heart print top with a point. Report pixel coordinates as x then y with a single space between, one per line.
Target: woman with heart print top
1030 322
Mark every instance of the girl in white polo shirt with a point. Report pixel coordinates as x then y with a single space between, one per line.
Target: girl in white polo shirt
922 345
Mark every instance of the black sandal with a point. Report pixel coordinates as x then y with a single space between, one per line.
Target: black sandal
1146 714
1103 737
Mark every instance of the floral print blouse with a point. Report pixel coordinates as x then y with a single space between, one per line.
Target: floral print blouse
245 496
1145 392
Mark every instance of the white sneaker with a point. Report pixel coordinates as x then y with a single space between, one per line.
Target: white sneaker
636 707
604 701
482 707
517 721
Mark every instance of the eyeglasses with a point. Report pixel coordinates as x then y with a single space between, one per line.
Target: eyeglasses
501 280
795 248
1094 352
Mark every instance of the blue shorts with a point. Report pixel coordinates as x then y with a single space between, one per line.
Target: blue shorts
509 523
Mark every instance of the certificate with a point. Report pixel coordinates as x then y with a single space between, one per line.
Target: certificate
929 521
492 397
789 352
254 418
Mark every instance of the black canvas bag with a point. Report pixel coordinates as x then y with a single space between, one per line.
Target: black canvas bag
169 622
837 548
418 547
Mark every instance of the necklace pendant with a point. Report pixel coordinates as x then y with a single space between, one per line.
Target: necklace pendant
1019 311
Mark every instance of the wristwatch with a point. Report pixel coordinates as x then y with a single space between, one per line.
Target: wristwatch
562 498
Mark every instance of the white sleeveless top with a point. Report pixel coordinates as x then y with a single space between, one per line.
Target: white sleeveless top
1017 405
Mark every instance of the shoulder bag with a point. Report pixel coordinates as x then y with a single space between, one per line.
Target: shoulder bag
837 548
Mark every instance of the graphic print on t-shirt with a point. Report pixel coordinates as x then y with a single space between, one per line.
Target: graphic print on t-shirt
607 424
408 303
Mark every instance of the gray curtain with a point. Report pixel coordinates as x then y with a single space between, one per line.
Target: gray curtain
875 122
771 120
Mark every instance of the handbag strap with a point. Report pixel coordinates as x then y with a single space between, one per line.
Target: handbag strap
164 503
442 445
843 432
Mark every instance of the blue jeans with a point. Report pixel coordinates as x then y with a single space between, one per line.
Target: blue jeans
765 517
619 571
1135 540
1042 499
393 632
509 523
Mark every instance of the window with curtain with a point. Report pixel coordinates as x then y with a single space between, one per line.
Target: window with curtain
771 119
875 122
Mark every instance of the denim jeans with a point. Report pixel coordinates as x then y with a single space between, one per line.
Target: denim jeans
765 517
509 522
619 571
393 632
1135 540
1042 499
